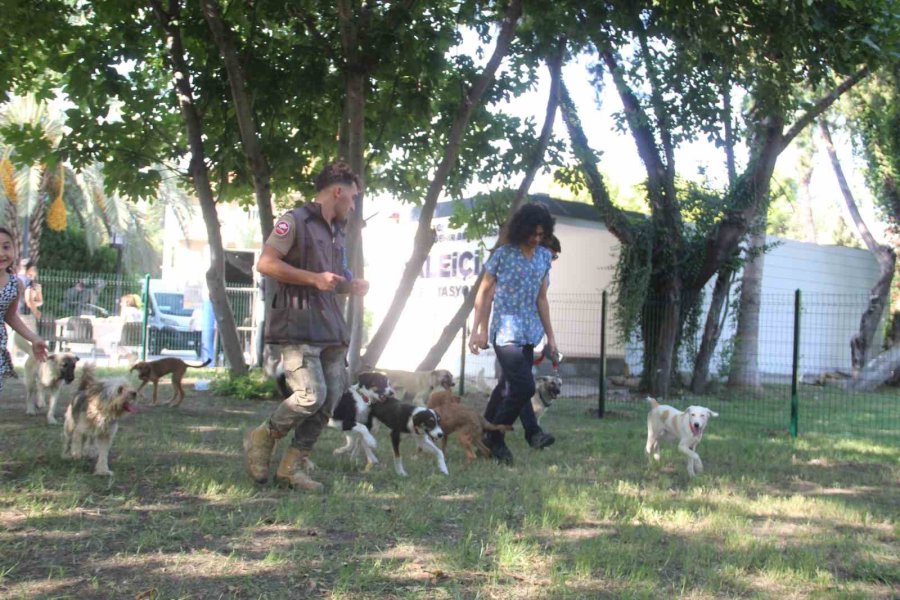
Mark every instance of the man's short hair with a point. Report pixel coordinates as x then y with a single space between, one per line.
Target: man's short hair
338 173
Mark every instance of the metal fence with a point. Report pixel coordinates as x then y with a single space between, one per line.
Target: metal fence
114 319
84 313
823 328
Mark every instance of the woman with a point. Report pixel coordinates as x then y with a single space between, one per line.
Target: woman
514 292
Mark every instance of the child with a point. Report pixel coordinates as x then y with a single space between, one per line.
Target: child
11 289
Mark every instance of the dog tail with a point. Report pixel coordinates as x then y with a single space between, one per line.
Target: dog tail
653 402
208 360
88 377
491 427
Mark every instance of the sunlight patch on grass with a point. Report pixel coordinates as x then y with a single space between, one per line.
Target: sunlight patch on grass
513 553
203 483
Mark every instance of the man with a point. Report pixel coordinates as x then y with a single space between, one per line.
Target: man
305 259
74 299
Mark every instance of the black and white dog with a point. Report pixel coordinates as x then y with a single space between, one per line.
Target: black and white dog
353 410
423 423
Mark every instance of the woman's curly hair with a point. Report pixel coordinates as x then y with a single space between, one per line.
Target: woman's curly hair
526 220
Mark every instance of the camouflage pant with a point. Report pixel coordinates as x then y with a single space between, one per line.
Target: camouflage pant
318 377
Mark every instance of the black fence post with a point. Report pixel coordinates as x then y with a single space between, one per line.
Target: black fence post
601 406
795 397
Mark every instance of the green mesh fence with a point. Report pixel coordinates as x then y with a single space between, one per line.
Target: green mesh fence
102 315
825 402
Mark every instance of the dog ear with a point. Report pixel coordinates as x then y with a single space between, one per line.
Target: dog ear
713 414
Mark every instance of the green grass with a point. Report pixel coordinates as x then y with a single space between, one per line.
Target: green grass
772 517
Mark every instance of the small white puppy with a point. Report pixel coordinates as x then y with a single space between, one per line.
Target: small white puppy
666 422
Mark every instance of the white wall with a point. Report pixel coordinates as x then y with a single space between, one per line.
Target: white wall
834 283
577 279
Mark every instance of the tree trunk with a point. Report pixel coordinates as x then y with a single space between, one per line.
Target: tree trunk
806 210
215 276
353 142
259 165
712 329
670 326
447 336
751 192
424 238
745 363
880 369
249 131
861 342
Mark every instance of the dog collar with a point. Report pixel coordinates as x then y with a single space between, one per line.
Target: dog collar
544 402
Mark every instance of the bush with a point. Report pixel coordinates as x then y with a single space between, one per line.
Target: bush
253 386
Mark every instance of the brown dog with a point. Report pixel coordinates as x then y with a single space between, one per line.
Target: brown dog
468 422
153 370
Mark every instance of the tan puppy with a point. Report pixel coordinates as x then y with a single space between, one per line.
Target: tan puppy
153 370
468 422
416 386
47 377
665 422
92 418
546 389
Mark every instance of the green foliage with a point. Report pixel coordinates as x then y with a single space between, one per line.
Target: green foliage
69 251
875 116
483 215
255 385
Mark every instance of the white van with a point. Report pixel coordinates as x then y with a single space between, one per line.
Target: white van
169 318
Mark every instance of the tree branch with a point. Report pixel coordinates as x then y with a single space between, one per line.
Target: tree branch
822 105
437 351
613 216
247 127
424 238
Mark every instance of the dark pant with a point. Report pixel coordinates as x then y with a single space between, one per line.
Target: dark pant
511 399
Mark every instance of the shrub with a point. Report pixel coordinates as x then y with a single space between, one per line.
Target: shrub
253 386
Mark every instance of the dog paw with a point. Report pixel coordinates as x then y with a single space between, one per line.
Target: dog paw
106 473
30 412
51 420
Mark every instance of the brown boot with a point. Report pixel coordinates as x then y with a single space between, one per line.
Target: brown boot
292 470
258 445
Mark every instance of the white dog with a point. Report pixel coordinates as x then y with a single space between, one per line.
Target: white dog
668 423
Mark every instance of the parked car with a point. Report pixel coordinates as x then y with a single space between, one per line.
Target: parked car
169 320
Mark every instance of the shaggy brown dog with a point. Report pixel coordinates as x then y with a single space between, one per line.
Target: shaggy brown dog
468 422
92 418
153 370
45 378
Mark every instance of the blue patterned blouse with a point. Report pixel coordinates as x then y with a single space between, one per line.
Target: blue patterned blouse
515 318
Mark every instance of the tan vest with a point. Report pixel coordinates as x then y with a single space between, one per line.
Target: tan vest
301 314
